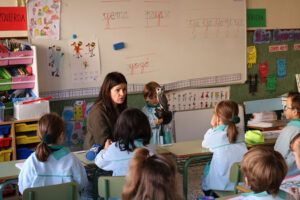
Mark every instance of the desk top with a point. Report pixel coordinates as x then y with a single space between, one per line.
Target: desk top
186 149
9 170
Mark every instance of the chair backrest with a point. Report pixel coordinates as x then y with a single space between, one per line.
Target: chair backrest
110 186
66 191
236 175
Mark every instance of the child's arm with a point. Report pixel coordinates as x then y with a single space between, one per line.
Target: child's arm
79 174
102 159
26 175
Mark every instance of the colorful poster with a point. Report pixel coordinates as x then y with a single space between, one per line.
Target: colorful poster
84 60
13 19
44 19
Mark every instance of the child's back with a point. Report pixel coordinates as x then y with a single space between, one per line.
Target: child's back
132 130
51 163
227 145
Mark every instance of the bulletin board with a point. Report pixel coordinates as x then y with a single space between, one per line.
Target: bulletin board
279 14
189 43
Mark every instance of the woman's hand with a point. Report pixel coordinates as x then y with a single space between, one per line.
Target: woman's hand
295 193
107 143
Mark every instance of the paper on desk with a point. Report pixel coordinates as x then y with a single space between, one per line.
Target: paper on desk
19 165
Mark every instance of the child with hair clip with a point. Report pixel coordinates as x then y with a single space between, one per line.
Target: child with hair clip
160 130
292 113
132 130
227 145
51 163
264 170
150 177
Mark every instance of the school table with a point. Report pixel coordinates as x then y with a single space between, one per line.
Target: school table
187 152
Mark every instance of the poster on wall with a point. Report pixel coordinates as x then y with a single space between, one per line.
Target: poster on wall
84 60
13 19
196 98
44 18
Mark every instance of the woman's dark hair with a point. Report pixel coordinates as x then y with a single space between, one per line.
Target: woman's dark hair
131 125
111 80
50 128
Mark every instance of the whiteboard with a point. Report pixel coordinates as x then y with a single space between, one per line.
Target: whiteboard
165 40
192 125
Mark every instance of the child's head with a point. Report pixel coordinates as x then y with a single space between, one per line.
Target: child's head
51 132
264 169
226 112
292 107
132 124
150 93
150 177
295 148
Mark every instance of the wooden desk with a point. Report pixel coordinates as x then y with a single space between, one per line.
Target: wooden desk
187 152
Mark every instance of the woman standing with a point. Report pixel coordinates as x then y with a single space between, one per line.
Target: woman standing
112 100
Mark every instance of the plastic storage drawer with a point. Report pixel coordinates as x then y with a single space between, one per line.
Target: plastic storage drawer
5 155
23 127
5 142
23 153
5 84
27 139
4 129
22 82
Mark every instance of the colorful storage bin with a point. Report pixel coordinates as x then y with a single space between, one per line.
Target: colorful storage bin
23 127
5 155
5 142
4 129
27 139
22 82
23 153
20 57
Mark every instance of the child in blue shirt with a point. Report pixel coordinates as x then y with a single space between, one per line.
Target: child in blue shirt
132 130
264 170
292 113
51 163
160 131
227 145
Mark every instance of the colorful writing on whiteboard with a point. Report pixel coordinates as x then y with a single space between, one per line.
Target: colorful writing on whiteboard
276 48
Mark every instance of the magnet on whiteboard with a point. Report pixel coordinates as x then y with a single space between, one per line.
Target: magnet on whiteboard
74 36
119 45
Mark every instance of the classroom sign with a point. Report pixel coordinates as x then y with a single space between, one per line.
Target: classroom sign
256 18
13 19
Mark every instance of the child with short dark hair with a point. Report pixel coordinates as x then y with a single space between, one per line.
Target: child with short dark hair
150 177
292 113
51 163
227 145
264 170
132 130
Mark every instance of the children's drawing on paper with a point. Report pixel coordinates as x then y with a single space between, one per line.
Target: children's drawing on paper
55 60
44 18
77 49
84 60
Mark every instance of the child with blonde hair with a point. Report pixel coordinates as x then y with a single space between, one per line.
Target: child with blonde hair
292 113
264 170
150 177
227 145
51 163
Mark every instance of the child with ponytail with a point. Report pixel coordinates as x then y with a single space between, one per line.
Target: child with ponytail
51 163
227 145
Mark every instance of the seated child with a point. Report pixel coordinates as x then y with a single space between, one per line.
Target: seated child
292 113
160 131
227 145
150 177
264 169
51 163
295 149
132 130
